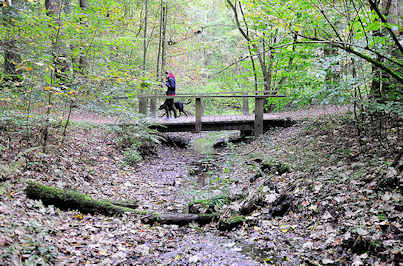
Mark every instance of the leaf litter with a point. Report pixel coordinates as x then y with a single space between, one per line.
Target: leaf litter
344 210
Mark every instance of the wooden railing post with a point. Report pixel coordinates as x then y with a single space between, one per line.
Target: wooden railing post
199 112
259 104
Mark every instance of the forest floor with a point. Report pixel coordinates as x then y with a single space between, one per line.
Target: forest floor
346 209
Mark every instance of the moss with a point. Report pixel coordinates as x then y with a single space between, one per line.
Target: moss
230 223
71 199
235 220
211 205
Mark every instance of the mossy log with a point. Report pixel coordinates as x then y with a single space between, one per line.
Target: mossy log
179 219
230 223
74 200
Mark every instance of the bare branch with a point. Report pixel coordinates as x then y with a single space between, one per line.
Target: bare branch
328 21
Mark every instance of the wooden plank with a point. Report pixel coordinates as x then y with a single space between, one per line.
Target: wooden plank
198 114
259 104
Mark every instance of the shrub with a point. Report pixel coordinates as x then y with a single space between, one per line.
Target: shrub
131 156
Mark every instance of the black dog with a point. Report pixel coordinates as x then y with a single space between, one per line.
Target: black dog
168 107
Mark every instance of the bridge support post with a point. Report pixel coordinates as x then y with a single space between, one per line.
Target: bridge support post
259 105
199 112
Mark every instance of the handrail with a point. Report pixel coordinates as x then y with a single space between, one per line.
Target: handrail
259 105
229 92
200 96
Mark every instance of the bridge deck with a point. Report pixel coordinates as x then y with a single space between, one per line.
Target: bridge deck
216 123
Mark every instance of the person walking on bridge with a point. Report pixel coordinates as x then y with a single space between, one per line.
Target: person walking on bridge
170 82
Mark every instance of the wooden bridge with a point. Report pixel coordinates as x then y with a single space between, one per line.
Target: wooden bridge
248 124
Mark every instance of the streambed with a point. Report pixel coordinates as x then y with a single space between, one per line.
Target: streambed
193 173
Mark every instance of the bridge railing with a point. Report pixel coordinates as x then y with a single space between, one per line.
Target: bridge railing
259 98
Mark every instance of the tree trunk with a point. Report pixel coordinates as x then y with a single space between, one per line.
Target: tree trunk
290 61
11 56
66 199
382 83
142 100
153 101
83 61
260 56
332 72
164 29
73 200
61 64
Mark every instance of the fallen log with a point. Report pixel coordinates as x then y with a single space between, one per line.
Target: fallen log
67 199
74 200
132 204
179 219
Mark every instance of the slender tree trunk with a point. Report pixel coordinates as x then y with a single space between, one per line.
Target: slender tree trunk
164 29
260 56
382 83
60 65
250 50
83 61
247 38
143 101
290 61
332 73
11 56
263 66
153 102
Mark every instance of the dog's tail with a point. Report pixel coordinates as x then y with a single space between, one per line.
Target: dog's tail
189 101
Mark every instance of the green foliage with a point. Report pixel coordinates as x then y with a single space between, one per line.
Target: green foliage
211 205
274 165
235 220
206 51
10 120
131 156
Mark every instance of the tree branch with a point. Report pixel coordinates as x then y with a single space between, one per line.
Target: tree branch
237 21
328 21
393 35
348 48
